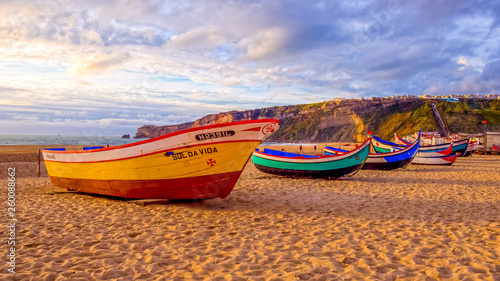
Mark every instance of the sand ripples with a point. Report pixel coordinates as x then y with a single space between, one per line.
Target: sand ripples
413 224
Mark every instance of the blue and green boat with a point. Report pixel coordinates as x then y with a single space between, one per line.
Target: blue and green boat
311 166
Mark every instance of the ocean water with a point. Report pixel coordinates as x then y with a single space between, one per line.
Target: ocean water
63 140
285 144
86 140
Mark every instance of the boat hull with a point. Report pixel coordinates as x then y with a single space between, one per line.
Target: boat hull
446 160
460 147
392 160
471 147
438 153
313 174
201 187
198 163
386 166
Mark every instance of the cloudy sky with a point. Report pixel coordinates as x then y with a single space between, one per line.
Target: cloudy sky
108 67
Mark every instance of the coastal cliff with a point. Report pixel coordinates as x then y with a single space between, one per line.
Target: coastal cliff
350 119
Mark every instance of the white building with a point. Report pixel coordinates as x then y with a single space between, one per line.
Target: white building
425 96
437 140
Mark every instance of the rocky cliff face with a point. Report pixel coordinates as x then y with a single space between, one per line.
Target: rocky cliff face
350 120
151 131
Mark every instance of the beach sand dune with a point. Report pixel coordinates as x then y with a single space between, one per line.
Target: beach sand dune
418 223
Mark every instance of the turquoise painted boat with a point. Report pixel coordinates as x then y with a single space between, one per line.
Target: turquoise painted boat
311 166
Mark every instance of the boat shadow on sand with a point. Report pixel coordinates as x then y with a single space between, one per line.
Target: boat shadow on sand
335 199
144 202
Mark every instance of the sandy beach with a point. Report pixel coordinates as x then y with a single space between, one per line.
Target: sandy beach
418 223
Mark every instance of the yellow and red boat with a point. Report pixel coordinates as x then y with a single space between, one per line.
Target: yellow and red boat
197 163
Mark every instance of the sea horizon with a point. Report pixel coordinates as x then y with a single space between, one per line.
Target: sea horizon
89 140
63 140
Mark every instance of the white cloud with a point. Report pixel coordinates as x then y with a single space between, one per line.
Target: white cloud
96 64
462 63
192 58
25 118
264 43
91 37
204 36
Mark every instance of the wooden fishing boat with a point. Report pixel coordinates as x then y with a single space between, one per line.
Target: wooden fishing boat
459 146
310 166
444 160
436 153
384 161
197 163
392 160
384 146
471 147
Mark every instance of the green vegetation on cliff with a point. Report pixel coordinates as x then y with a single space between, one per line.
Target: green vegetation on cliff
401 119
465 116
350 120
296 127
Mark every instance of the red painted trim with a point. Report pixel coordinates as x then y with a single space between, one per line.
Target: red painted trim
202 187
159 151
171 135
451 158
446 151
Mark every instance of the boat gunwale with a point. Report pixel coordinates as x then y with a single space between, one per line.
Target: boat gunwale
439 157
445 152
307 160
453 143
186 131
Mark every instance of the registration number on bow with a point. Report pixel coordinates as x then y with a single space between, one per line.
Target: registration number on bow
214 135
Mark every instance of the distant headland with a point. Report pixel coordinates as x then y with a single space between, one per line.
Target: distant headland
350 119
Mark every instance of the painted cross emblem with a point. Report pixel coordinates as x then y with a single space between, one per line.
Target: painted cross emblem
268 129
211 162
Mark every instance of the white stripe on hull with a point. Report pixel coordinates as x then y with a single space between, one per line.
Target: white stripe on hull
431 161
167 143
